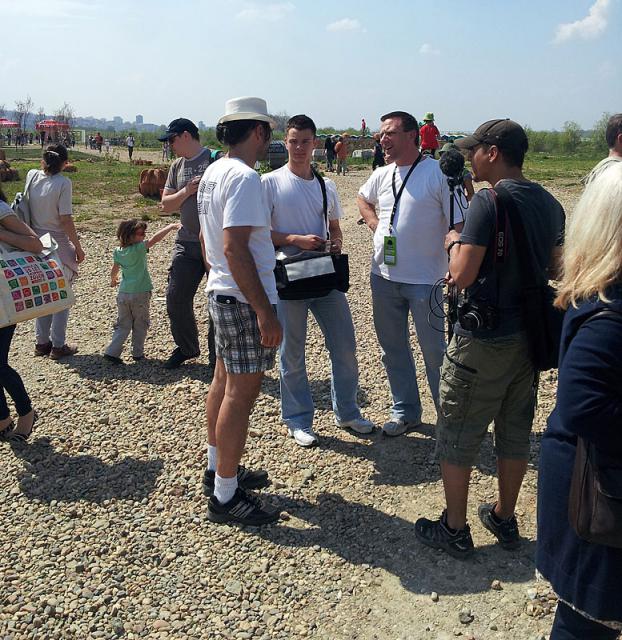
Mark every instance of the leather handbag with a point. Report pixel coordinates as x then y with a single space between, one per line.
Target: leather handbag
595 500
312 274
32 285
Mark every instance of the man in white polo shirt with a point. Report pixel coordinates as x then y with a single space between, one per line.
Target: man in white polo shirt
235 232
406 205
295 198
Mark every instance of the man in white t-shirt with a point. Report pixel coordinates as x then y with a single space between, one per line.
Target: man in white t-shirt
613 136
406 205
235 236
295 199
129 141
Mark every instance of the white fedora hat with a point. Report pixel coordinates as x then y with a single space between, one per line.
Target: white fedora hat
246 108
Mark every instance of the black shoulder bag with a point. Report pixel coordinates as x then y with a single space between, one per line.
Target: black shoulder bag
313 274
595 500
541 320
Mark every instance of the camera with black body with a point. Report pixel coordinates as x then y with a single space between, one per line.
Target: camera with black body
477 315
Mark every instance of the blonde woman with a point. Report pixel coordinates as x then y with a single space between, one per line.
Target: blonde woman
586 576
14 233
49 198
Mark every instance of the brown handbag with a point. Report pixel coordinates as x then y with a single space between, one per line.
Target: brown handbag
595 500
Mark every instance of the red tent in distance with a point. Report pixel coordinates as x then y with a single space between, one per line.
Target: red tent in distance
8 124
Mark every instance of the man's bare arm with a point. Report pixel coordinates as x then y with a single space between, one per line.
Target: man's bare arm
244 272
368 212
172 200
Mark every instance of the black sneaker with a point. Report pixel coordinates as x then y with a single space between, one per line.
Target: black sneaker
176 358
247 479
437 535
506 531
243 508
113 359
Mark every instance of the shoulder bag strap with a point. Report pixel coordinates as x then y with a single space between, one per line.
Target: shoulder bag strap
28 183
324 200
528 273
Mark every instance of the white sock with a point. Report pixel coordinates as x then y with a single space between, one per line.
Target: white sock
225 488
211 457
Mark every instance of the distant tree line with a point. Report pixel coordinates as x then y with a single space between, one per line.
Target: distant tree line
571 140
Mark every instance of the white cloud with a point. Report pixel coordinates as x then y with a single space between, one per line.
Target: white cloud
589 27
268 12
427 49
345 24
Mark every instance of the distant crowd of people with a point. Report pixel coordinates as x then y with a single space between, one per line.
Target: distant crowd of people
232 222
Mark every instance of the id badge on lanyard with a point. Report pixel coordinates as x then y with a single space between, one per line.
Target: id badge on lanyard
390 251
390 241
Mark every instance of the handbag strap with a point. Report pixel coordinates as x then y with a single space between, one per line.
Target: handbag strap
324 199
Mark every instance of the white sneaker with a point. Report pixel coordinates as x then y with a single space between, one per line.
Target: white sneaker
358 425
397 427
304 436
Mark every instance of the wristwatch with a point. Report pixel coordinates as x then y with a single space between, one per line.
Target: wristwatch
451 245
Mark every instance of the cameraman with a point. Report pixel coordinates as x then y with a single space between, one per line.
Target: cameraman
487 373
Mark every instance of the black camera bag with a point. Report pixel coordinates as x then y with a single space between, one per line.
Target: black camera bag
541 320
321 280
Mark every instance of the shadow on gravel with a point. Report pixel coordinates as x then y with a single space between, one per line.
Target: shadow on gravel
361 534
48 475
405 460
94 367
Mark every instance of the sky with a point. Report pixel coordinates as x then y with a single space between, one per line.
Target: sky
539 62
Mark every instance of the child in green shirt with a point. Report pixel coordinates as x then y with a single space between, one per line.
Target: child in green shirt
135 291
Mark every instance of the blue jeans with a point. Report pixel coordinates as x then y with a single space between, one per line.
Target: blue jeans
332 314
392 303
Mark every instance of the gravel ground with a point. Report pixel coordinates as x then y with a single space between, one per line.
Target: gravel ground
105 523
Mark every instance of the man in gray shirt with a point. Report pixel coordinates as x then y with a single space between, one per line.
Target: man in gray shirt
488 374
187 268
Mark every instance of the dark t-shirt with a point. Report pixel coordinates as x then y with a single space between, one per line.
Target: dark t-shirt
329 145
180 173
544 221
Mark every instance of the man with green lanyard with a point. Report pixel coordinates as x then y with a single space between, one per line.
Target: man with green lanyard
406 205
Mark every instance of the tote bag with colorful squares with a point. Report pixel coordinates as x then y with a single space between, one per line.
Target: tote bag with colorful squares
32 285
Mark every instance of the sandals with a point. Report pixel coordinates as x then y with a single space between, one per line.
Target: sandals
22 437
6 432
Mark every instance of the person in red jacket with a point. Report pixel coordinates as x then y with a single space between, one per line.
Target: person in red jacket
429 135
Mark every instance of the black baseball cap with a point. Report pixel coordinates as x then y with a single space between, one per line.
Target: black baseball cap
178 126
503 133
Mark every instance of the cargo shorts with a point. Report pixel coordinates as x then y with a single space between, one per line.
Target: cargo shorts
484 381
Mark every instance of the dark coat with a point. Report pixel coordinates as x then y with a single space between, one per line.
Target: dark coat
589 404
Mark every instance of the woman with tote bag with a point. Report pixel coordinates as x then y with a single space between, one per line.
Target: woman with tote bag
49 201
14 233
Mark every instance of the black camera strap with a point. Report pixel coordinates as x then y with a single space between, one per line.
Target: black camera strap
398 194
324 199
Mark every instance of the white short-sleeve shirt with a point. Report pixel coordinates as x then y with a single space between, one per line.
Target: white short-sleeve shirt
420 225
230 195
49 198
296 205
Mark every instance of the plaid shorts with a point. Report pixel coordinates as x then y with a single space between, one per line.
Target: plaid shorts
238 340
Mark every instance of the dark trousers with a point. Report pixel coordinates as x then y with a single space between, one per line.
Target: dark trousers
184 276
571 625
130 151
10 380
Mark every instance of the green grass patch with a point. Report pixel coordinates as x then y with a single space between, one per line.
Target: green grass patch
104 189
